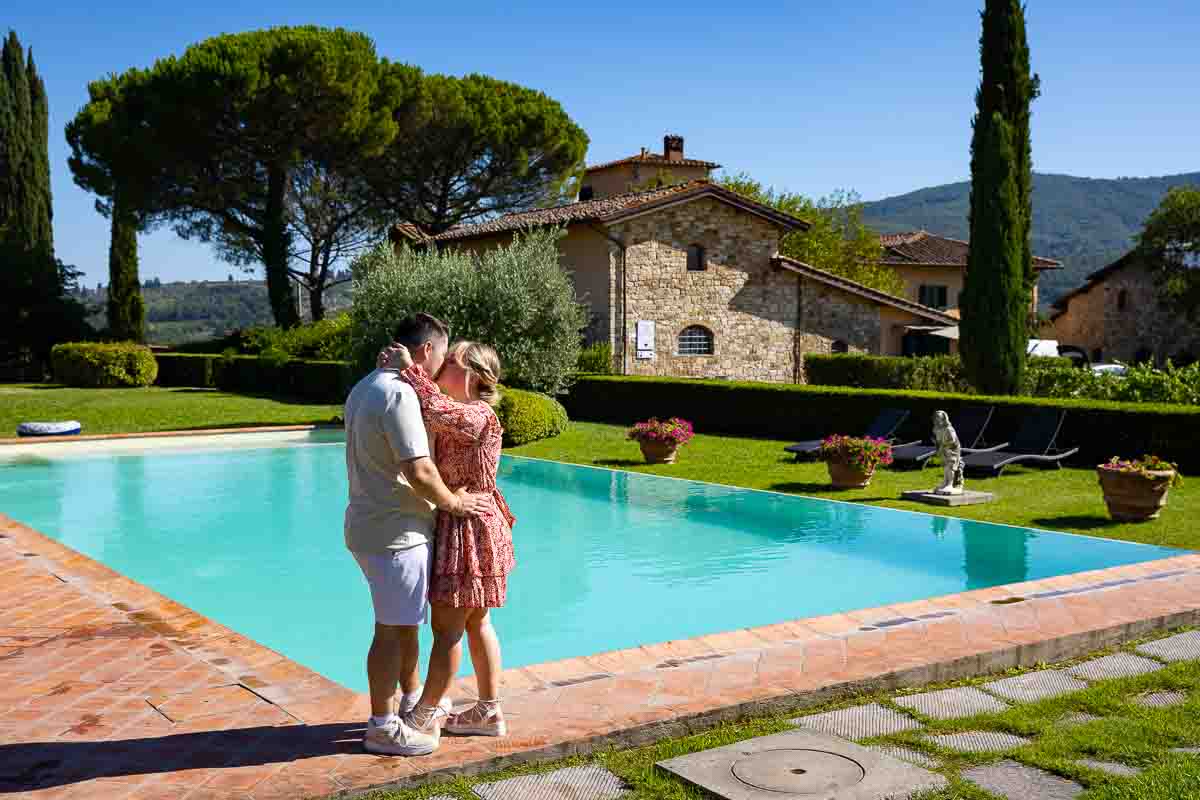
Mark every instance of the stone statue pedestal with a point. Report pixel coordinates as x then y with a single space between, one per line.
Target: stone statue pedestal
966 498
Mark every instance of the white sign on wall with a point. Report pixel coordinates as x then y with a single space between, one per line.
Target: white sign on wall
645 338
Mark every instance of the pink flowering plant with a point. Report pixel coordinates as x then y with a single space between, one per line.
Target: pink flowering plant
672 431
1143 466
865 452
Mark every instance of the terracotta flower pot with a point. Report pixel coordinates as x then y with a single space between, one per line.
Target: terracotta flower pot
1133 496
848 476
659 452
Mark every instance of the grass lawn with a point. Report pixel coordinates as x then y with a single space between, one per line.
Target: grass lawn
1126 733
149 409
1062 500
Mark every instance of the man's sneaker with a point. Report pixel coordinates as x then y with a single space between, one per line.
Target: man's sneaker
397 738
482 719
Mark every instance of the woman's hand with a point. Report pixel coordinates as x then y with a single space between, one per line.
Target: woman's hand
394 356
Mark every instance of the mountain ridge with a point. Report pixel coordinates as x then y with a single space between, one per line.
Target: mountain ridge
1086 223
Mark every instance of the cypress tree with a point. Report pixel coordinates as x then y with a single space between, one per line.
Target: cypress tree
1000 276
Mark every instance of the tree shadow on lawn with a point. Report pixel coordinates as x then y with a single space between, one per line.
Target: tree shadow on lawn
1077 522
618 463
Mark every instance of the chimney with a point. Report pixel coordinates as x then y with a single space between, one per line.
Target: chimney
673 147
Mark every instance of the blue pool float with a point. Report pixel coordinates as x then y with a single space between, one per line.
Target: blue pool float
68 428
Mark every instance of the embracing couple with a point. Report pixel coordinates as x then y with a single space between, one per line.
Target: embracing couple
429 529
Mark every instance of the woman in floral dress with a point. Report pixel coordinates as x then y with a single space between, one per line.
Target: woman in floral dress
472 555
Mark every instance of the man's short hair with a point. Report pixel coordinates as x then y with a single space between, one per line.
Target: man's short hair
417 329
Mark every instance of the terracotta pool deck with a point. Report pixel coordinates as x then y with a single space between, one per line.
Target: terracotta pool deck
108 689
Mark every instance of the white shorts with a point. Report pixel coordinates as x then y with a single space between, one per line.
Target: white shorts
399 582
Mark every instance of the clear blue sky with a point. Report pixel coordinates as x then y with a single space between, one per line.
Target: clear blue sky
873 96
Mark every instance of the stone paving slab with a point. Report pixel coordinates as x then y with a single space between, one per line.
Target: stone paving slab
965 701
1110 767
1118 665
1018 782
859 722
1181 647
571 783
1161 699
906 754
1035 686
978 741
1078 718
801 763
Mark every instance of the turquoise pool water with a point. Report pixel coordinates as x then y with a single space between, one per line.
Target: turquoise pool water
253 539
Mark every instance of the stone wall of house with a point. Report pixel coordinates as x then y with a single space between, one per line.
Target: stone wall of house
751 307
1097 321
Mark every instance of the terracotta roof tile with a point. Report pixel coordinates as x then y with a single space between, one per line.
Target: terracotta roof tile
921 248
862 290
606 210
656 159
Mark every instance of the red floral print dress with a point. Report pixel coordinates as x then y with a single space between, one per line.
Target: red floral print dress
472 555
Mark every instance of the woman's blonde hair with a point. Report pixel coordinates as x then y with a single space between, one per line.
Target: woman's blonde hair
483 362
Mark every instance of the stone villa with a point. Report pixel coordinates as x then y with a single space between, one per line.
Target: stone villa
1117 316
687 279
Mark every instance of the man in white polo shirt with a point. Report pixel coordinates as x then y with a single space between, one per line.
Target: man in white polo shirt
394 491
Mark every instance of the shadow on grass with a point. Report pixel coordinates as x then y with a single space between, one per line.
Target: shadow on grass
1078 522
823 489
321 425
618 463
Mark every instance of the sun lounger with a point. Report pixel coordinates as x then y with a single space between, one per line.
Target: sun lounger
969 423
1035 444
884 427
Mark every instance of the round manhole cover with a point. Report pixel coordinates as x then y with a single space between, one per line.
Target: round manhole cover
798 771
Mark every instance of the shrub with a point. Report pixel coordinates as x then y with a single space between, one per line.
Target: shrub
1145 466
270 374
792 412
529 416
595 359
95 364
517 298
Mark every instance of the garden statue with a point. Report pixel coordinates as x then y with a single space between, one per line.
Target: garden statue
950 452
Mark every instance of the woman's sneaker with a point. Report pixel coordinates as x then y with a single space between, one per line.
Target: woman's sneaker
483 719
397 738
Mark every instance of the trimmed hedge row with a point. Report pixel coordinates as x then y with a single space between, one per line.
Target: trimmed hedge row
99 364
930 373
316 381
788 411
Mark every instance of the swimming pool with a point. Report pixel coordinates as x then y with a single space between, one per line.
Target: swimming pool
251 537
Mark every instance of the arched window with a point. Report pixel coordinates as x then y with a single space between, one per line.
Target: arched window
839 347
1122 300
696 261
695 340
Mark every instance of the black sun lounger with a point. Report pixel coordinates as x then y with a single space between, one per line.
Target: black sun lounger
884 427
969 423
1036 444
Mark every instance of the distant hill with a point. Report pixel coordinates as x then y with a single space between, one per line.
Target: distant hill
1084 222
188 311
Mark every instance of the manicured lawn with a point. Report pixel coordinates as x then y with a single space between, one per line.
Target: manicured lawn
1062 500
149 409
1127 733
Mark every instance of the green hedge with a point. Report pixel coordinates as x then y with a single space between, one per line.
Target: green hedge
787 411
97 364
317 381
186 369
927 373
529 416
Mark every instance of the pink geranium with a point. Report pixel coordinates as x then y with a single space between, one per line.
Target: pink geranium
865 453
672 431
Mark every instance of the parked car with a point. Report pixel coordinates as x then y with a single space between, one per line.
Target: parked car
1111 369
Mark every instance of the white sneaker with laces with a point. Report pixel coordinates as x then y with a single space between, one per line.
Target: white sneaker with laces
397 738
